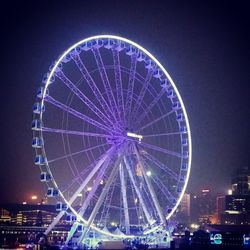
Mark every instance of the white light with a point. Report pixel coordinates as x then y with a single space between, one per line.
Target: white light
136 200
79 195
89 188
148 173
101 182
113 224
229 191
133 135
194 226
24 203
33 197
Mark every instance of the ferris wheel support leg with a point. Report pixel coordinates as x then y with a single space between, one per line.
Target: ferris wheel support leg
100 200
79 190
150 188
88 199
124 199
138 193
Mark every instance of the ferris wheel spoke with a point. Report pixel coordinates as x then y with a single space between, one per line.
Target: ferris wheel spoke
93 86
80 189
162 150
83 173
118 82
162 134
80 175
131 81
72 132
142 93
156 120
101 197
77 153
138 192
162 166
150 106
75 113
124 198
90 196
163 188
150 188
83 97
105 81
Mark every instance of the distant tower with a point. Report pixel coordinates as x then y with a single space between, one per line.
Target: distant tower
203 207
237 205
185 205
39 218
241 181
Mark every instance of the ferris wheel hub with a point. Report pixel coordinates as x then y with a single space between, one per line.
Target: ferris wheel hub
134 135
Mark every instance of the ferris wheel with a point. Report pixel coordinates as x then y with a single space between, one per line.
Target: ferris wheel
112 139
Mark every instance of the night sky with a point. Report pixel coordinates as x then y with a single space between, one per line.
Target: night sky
204 47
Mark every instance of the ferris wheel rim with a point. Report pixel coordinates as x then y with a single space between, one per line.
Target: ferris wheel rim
178 96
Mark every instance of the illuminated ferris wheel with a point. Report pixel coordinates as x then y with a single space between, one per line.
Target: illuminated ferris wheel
112 139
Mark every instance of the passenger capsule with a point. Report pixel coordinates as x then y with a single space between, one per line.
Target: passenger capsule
108 43
38 108
45 177
179 117
120 46
36 125
184 166
41 91
165 83
86 46
37 142
52 192
98 43
141 57
183 129
66 58
40 160
130 50
157 73
70 218
176 105
170 93
149 64
61 206
184 142
185 154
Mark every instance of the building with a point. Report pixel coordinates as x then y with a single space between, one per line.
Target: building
220 207
203 207
237 204
5 216
185 205
241 182
183 213
27 214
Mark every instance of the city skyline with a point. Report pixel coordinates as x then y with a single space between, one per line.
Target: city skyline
203 48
